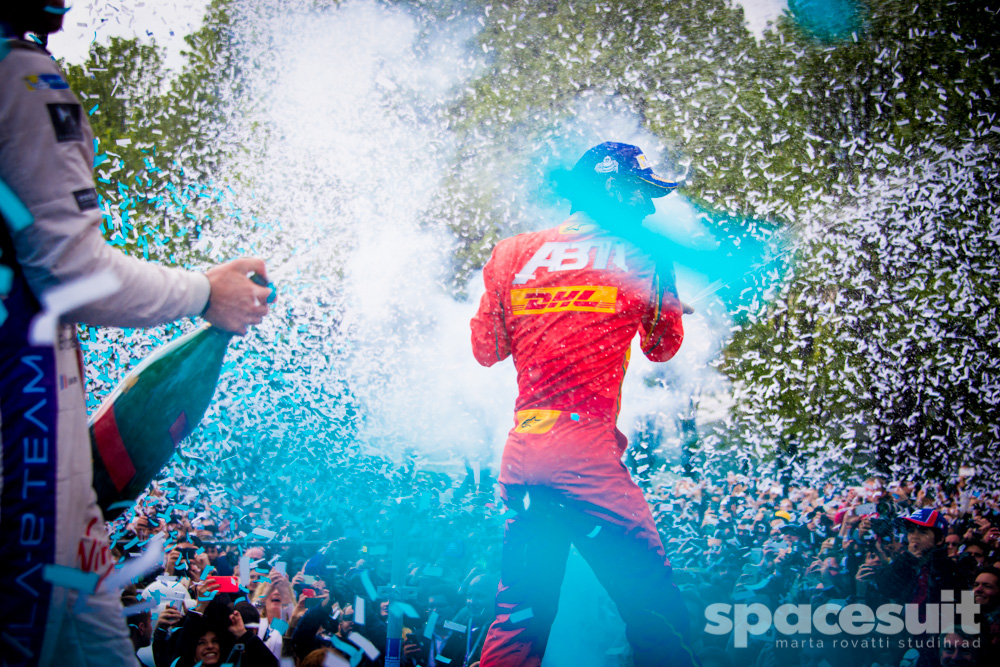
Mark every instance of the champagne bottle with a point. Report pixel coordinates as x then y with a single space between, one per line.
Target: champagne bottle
139 426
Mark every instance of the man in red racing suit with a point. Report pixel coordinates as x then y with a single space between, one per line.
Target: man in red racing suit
566 303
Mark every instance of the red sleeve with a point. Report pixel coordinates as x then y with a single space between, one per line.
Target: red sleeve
490 341
661 328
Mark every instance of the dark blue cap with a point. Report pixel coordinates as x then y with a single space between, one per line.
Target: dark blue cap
625 160
928 518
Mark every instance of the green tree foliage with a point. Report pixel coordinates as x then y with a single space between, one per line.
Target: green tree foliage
880 352
159 138
878 349
160 145
875 156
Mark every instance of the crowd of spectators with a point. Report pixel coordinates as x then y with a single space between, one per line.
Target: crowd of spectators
741 541
248 576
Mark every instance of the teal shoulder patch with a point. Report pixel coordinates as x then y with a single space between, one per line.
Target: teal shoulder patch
13 209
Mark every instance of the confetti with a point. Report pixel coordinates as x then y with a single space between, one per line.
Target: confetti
151 559
14 212
263 532
64 298
432 619
353 652
521 616
403 609
366 646
359 610
860 310
140 607
68 577
369 588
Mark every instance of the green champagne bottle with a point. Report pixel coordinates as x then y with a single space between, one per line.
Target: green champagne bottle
139 426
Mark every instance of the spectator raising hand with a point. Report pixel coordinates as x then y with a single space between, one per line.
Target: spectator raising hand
205 592
236 626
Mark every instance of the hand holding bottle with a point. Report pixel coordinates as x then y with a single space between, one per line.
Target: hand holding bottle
140 425
236 302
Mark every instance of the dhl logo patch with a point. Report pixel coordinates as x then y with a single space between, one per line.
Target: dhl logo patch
583 298
536 421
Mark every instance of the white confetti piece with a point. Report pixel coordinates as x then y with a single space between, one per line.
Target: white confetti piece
152 557
365 645
522 616
65 298
359 610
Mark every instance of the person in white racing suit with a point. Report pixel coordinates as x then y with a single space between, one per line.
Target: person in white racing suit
50 237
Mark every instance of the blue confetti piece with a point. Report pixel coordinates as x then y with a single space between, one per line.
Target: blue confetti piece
6 280
758 586
575 417
93 109
827 20
122 503
429 627
522 615
13 209
403 609
355 653
594 532
367 582
69 577
443 660
279 626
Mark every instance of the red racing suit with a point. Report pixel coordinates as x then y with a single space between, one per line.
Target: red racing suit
566 303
